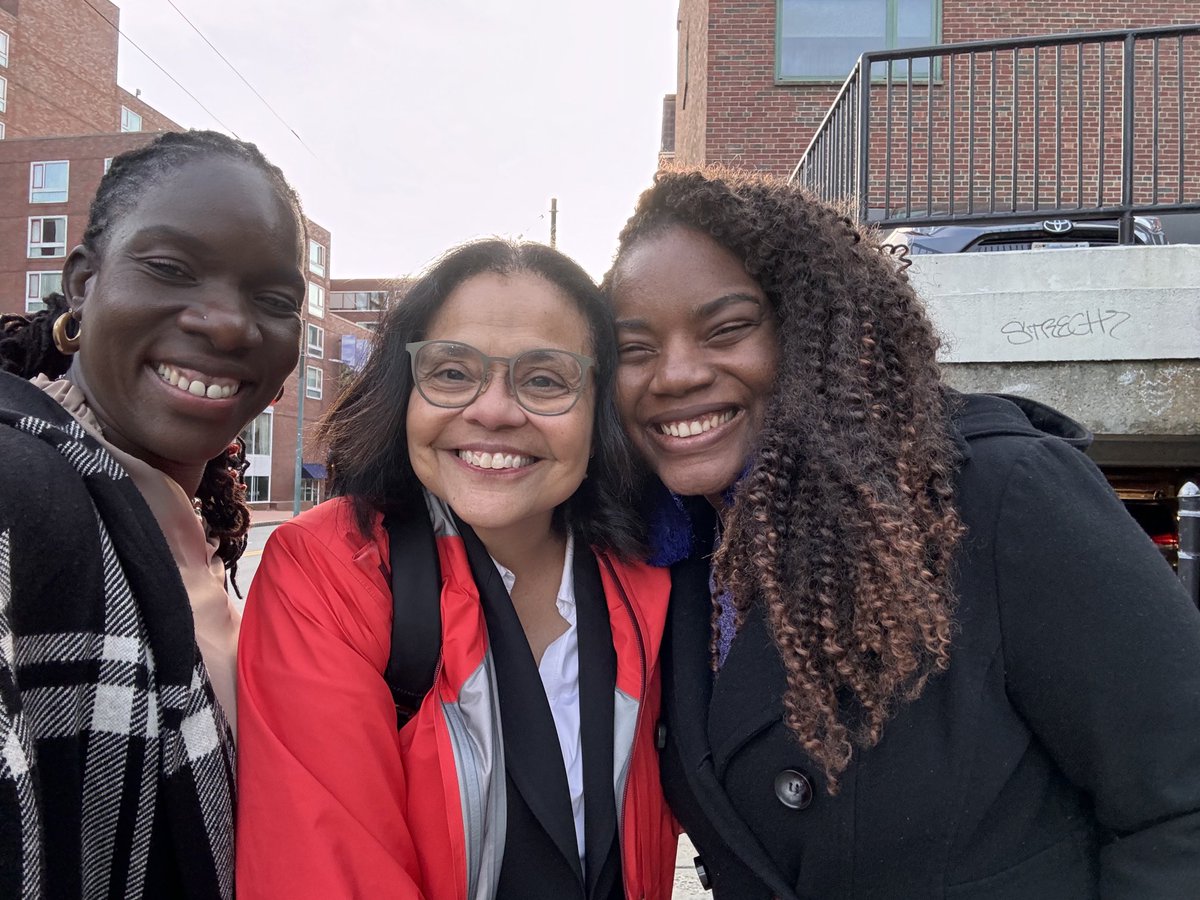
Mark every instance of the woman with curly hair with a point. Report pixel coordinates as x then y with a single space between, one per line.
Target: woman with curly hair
916 647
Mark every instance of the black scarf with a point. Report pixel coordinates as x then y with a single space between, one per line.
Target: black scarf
116 762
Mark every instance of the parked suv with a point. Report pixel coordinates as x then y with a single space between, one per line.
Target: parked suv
1040 234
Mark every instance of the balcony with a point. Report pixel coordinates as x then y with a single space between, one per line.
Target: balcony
1103 125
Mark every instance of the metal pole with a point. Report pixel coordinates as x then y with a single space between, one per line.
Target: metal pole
1189 540
302 384
553 222
1125 234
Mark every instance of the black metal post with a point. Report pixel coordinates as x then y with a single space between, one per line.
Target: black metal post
864 141
1125 229
1189 540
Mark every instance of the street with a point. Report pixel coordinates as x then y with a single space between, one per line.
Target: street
687 886
248 564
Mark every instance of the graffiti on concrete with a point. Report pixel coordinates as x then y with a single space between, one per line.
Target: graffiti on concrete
1089 323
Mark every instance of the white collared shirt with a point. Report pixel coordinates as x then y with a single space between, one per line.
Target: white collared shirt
559 670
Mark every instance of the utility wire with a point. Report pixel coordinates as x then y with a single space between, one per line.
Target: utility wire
235 71
161 69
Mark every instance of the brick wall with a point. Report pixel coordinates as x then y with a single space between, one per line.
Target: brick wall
62 68
754 122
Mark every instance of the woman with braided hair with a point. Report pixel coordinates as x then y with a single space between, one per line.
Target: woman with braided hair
121 513
916 647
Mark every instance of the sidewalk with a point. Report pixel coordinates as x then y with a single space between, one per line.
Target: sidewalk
268 516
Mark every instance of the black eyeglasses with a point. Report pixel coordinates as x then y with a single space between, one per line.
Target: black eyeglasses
544 382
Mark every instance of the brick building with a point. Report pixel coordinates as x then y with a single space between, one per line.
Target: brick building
756 77
62 118
271 440
364 300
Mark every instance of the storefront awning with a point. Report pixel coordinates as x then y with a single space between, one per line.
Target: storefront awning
313 470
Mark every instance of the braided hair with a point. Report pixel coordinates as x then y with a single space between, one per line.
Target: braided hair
27 346
843 528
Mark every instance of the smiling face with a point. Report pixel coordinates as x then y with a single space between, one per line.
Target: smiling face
498 466
190 315
698 356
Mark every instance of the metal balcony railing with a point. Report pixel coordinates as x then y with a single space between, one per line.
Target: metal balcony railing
1103 125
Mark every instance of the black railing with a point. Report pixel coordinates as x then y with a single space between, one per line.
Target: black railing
1104 125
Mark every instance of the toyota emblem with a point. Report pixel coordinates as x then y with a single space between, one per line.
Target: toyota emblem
1057 226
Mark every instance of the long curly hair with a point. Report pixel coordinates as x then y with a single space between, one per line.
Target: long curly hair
27 347
843 528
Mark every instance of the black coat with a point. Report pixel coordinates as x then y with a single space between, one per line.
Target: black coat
1059 757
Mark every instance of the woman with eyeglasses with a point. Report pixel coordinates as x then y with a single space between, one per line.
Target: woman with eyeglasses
483 431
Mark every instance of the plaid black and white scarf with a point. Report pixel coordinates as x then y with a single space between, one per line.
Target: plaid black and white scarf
116 762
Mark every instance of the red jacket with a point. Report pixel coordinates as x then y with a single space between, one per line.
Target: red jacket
333 801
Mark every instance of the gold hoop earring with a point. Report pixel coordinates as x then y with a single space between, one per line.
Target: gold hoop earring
66 343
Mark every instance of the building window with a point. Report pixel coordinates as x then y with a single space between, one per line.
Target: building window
4 49
48 181
310 490
316 341
257 435
130 121
359 301
37 286
3 93
314 382
1 131
47 237
316 300
107 164
821 40
258 488
316 257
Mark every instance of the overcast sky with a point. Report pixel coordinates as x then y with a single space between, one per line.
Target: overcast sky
429 122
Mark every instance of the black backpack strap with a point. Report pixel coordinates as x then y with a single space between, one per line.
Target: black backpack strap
416 613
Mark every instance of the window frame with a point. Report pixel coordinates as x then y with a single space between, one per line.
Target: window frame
3 94
265 420
317 267
317 350
310 490
127 115
319 309
314 391
252 489
48 162
31 299
1 131
890 27
32 245
5 47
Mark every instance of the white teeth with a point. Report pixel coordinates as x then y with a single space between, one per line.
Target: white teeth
494 460
696 426
195 387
